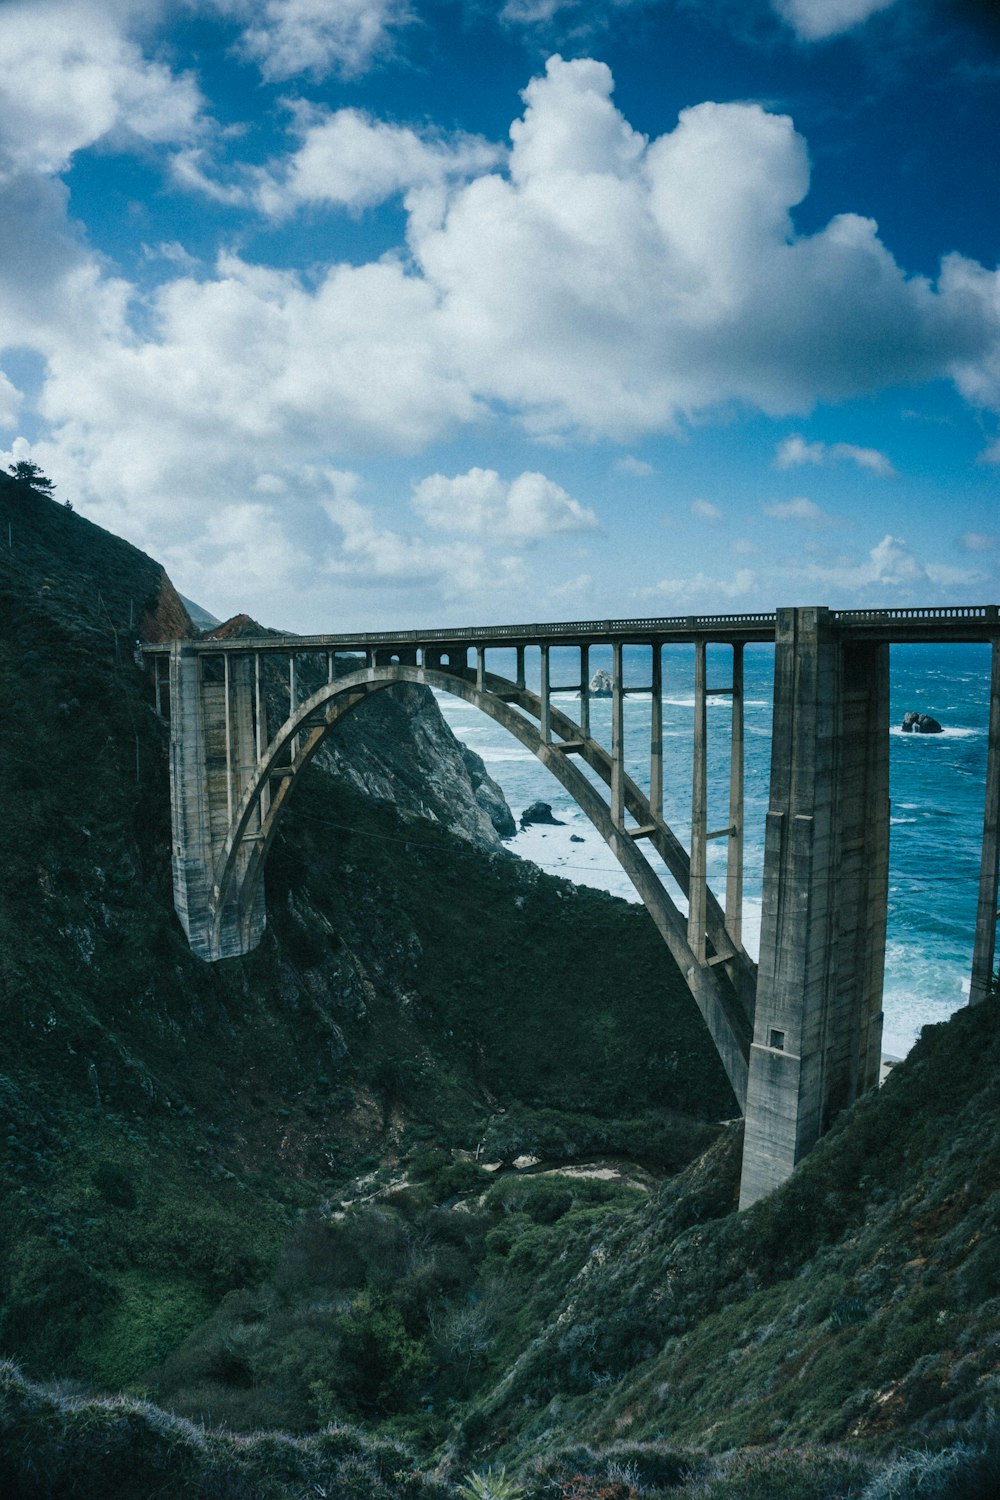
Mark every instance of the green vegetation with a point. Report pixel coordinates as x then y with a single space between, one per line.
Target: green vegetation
277 1195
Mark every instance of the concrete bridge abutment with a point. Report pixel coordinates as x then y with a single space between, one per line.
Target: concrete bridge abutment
818 1021
214 704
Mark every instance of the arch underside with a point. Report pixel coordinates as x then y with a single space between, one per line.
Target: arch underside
723 987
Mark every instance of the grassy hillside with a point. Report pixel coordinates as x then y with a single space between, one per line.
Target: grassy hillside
254 1194
163 1121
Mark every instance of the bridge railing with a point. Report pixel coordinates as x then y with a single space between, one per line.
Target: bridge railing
985 612
756 625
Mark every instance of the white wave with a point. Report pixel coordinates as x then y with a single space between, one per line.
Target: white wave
947 733
497 753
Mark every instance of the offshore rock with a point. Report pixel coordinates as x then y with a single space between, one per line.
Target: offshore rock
539 812
601 684
914 723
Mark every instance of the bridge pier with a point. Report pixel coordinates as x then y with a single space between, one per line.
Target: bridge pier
213 751
984 949
818 1023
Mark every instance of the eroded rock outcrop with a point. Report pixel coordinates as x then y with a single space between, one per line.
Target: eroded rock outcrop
915 723
539 812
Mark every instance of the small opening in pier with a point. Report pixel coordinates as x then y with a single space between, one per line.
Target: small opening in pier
777 1040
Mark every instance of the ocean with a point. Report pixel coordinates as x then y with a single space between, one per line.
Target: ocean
936 788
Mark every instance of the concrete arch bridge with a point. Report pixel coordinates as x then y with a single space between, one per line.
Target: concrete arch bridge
799 1033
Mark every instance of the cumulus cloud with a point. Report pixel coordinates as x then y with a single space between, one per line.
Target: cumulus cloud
480 503
73 76
317 37
612 285
10 401
638 468
815 20
977 541
572 587
799 509
370 553
348 159
243 551
794 450
700 589
592 281
706 511
890 564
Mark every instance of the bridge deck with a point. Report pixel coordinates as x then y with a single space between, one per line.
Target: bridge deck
937 623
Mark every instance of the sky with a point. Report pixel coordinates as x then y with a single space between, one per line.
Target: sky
364 314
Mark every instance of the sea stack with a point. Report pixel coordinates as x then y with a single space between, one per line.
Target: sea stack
914 723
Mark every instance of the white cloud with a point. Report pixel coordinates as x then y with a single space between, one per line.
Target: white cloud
977 541
10 402
480 503
370 553
72 76
794 450
173 252
572 587
612 285
637 468
743 546
799 509
317 37
349 159
192 169
597 282
815 20
706 511
991 455
243 552
889 565
700 588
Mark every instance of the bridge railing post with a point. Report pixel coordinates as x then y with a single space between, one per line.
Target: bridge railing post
656 735
585 691
697 889
734 856
617 737
544 699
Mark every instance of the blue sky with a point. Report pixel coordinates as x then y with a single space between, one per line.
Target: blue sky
363 313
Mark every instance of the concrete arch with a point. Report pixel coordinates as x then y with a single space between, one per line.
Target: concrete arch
725 1003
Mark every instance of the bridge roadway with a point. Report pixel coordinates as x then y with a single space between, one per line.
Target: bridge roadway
799 1033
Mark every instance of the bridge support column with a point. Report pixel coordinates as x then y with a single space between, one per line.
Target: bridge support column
818 1025
212 753
984 947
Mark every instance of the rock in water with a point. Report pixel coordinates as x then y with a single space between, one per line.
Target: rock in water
601 684
914 723
538 812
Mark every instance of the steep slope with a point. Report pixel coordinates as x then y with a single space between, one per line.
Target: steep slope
251 1188
860 1301
164 1121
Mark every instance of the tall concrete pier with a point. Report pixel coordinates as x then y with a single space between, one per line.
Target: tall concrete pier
213 753
800 1035
818 1023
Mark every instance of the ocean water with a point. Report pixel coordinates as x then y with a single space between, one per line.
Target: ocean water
936 787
